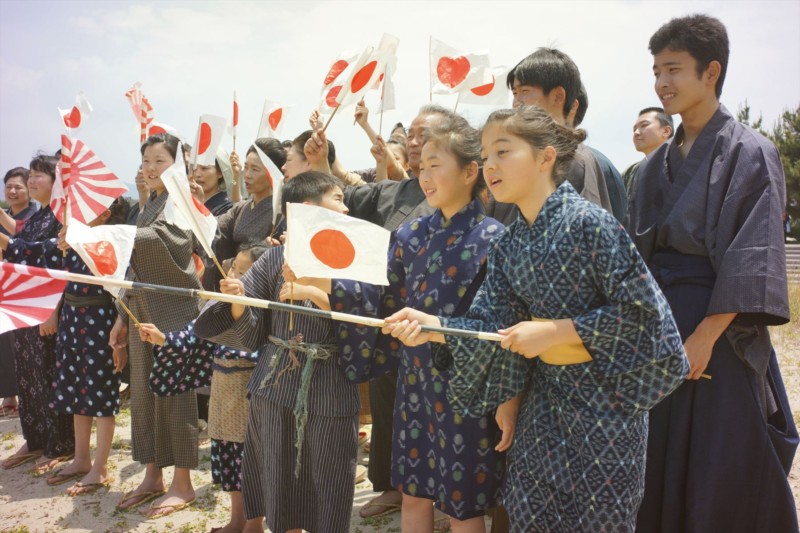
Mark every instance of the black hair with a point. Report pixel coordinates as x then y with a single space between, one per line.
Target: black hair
703 37
254 249
583 105
272 148
120 209
170 143
299 144
287 144
663 118
548 68
394 141
17 172
535 126
397 126
457 137
45 163
309 186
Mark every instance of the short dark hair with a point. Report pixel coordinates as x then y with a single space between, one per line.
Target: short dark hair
120 209
46 163
703 37
300 141
17 172
170 143
663 118
548 68
397 126
583 105
272 148
309 186
253 248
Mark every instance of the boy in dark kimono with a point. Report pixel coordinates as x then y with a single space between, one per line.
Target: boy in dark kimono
707 218
302 435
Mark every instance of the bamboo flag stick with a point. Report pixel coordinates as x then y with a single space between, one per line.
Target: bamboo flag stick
243 300
130 314
331 117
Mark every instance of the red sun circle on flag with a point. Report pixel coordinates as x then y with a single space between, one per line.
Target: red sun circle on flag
200 207
333 249
452 70
235 113
73 118
275 118
330 99
336 69
363 76
204 140
103 255
483 90
155 130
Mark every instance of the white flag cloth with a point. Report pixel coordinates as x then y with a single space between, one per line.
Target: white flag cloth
453 72
275 177
365 74
106 250
186 211
75 117
209 135
332 84
385 83
26 299
324 244
495 92
272 119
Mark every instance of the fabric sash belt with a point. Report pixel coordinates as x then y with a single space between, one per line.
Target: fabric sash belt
313 352
87 301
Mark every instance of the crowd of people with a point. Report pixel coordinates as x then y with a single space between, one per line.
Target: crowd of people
635 387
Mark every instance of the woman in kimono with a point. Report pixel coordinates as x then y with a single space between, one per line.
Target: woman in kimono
568 292
46 432
249 219
210 179
436 263
87 377
163 430
184 361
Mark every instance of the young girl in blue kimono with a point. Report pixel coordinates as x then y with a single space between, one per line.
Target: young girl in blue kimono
568 292
436 263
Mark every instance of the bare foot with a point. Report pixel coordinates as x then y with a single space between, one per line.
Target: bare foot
146 491
46 464
386 503
88 482
173 501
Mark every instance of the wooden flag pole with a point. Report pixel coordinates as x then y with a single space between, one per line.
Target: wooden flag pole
455 109
221 270
331 117
291 299
64 212
128 311
430 68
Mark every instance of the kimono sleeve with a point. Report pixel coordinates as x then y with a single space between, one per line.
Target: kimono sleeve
749 253
224 245
364 352
43 254
182 364
483 375
631 335
251 330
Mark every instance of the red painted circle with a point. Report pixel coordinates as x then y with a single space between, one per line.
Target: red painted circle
205 138
333 248
452 70
334 72
103 255
363 76
275 118
483 90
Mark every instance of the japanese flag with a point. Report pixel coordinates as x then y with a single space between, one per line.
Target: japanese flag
106 250
365 74
324 244
75 117
275 179
157 127
26 299
186 211
453 72
272 119
332 84
235 121
208 138
385 83
494 93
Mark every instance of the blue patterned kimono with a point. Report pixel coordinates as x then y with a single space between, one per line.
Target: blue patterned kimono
435 265
577 461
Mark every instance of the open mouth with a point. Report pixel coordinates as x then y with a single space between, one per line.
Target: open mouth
493 181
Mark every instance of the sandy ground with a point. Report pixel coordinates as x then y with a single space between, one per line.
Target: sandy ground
28 504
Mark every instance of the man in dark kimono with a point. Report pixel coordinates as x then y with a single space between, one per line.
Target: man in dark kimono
653 128
706 216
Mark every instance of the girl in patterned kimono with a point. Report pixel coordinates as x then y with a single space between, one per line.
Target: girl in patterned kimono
568 292
87 377
163 430
184 361
249 219
436 263
49 438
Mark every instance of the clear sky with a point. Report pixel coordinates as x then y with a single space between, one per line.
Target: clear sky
191 55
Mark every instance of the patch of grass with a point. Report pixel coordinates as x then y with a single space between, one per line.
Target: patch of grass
120 443
5 437
18 529
123 419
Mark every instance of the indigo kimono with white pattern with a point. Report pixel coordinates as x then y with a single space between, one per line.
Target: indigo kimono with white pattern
577 461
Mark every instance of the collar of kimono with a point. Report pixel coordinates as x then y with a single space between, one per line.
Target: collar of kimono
469 216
